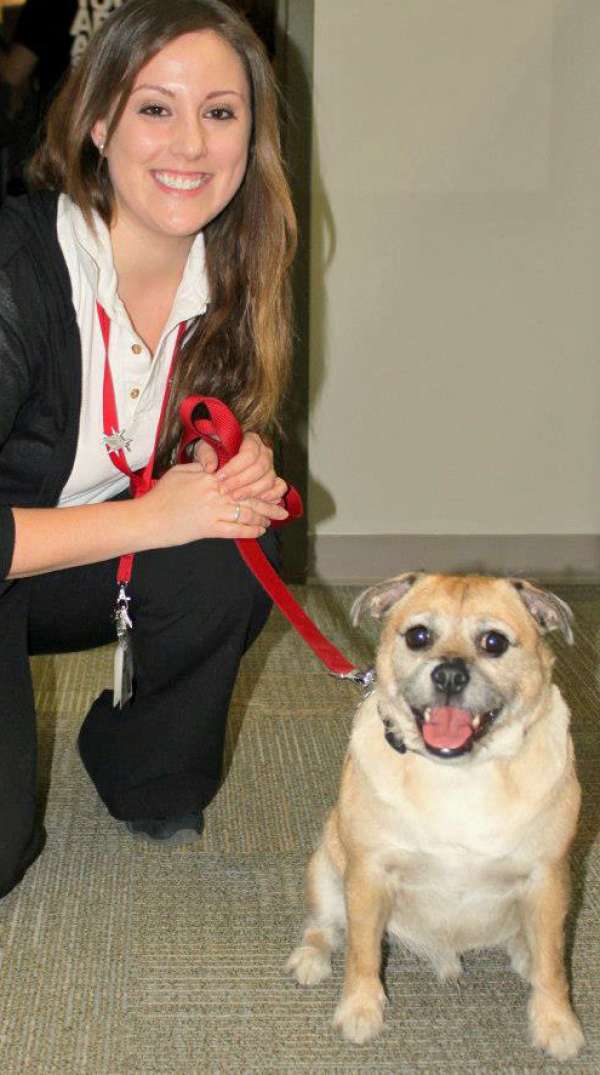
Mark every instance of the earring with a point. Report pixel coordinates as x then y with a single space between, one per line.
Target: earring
101 148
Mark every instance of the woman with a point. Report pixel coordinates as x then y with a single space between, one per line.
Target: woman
158 236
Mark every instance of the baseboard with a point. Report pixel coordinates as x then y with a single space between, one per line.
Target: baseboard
364 558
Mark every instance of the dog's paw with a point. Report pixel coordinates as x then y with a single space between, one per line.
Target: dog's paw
447 967
555 1028
520 961
360 1015
309 964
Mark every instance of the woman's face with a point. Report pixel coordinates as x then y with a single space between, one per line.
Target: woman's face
179 152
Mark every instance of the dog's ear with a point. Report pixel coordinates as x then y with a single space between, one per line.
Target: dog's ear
378 599
549 611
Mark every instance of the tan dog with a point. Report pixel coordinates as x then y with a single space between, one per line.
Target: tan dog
458 801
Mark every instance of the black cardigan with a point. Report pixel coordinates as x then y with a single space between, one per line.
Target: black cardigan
40 363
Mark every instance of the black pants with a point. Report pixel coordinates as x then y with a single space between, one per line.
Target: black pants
196 609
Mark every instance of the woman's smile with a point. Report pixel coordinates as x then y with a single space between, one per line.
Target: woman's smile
181 182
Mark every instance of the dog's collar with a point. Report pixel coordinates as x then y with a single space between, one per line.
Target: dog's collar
396 741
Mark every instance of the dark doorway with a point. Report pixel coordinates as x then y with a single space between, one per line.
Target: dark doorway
263 17
286 26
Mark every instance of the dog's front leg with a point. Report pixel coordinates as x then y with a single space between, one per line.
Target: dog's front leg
359 1014
310 962
554 1025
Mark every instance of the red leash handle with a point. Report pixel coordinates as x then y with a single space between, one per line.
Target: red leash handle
222 430
219 427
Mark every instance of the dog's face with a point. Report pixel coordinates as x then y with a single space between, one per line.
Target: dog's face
462 658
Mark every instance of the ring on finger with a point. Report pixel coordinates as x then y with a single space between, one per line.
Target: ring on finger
237 511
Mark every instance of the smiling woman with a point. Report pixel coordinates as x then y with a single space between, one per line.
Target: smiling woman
149 263
248 249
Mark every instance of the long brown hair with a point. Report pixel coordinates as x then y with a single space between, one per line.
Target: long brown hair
240 349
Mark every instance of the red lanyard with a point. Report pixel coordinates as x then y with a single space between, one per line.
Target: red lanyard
140 481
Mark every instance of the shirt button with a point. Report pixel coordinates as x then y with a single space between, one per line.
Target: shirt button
134 393
137 348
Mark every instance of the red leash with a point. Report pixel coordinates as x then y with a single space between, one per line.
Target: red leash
209 419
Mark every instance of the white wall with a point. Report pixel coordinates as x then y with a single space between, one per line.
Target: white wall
455 296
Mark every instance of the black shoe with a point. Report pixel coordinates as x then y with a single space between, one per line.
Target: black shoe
171 830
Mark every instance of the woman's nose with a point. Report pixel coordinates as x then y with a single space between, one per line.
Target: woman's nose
190 138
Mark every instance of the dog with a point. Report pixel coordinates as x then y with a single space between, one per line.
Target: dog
458 801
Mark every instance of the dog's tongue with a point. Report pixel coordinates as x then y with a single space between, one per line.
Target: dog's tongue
447 728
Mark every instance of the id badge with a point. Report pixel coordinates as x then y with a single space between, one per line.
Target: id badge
123 663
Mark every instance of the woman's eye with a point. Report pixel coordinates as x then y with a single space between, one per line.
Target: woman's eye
494 643
154 110
220 113
418 637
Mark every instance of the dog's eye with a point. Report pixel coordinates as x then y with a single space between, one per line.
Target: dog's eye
494 643
418 637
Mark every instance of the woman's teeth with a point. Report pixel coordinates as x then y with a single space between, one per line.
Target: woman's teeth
180 182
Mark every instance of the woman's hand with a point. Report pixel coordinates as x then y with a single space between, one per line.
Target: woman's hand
185 504
188 503
249 474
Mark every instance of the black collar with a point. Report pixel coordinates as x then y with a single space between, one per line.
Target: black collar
393 738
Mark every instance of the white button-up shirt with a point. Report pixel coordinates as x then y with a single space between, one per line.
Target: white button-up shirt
139 378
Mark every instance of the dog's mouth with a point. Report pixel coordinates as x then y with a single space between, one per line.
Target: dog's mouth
449 731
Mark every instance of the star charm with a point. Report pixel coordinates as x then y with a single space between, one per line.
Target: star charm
117 441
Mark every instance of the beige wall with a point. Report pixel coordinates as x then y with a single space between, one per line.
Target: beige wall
455 296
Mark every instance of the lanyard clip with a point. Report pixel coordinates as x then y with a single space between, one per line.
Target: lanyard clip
122 618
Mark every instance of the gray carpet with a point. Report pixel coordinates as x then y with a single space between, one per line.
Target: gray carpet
123 959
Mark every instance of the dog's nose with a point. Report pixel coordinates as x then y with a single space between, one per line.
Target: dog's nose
451 677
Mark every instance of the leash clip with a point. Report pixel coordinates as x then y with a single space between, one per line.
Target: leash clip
365 678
